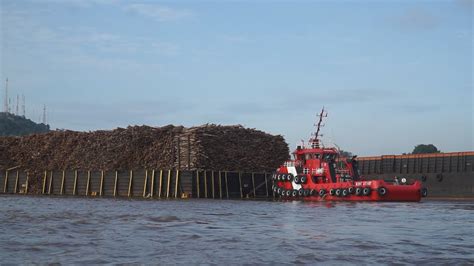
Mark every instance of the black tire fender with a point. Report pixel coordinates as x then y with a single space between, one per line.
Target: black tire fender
306 192
290 177
350 190
344 193
294 193
366 191
303 179
424 192
439 177
382 191
296 179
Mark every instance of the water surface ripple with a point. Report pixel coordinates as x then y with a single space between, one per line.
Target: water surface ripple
80 231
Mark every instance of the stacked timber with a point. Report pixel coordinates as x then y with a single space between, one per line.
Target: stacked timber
130 148
232 148
143 147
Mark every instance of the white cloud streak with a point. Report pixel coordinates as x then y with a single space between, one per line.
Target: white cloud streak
25 35
158 12
418 19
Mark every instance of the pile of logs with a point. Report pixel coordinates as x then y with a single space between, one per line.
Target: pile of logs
232 148
216 147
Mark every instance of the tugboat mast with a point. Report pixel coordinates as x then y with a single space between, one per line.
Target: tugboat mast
315 140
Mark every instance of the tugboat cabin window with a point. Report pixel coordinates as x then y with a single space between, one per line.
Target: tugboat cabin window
310 156
329 156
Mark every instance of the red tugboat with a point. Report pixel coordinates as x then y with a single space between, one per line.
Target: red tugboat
319 173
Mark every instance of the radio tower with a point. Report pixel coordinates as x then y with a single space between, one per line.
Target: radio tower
17 104
23 107
5 103
44 114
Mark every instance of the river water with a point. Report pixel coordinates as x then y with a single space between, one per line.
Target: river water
83 231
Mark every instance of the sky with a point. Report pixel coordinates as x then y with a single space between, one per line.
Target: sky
391 74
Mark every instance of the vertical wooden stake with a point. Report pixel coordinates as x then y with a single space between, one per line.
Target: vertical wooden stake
130 184
161 184
62 182
197 183
88 182
115 183
168 186
266 184
240 185
205 184
101 189
226 185
152 190
220 184
273 191
189 151
16 181
50 182
5 186
176 185
44 182
75 183
213 187
145 183
253 183
27 182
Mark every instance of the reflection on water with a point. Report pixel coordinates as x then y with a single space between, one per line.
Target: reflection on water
75 230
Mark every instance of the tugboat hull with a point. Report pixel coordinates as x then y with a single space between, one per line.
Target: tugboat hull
375 190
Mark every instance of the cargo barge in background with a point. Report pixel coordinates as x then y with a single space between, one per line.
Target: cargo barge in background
446 175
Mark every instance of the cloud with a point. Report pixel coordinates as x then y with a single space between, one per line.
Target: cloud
278 105
466 4
77 3
24 35
417 19
349 96
417 108
165 48
77 115
239 39
158 12
105 64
